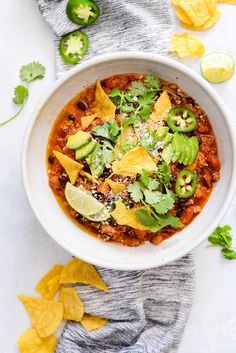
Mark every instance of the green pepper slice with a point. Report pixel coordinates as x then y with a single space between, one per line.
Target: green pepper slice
82 12
186 183
182 120
73 46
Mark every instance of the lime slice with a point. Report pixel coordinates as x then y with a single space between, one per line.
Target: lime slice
81 201
217 67
100 216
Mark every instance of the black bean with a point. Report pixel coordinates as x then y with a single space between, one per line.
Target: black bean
51 159
63 178
103 83
98 196
71 117
82 105
106 173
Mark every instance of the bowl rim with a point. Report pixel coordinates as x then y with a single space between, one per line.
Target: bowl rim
116 56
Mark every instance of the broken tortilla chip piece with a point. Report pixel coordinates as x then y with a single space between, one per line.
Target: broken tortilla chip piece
31 342
73 306
198 11
161 108
128 134
89 177
91 322
127 216
115 186
78 271
87 120
50 283
183 16
105 108
186 45
46 315
133 162
215 18
71 167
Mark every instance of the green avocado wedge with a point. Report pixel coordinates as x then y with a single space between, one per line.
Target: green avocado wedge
78 140
84 151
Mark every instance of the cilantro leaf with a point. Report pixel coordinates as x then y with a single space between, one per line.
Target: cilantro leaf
135 192
152 82
20 95
221 237
169 220
101 157
152 197
133 119
165 203
109 130
153 184
145 217
229 254
146 99
137 88
164 173
145 177
32 71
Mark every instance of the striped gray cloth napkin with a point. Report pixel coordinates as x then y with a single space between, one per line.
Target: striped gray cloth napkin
147 310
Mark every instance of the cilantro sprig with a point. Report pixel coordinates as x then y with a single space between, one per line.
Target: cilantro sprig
156 198
109 130
222 237
28 73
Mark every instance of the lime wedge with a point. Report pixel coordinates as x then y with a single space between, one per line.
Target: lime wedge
100 216
81 201
217 67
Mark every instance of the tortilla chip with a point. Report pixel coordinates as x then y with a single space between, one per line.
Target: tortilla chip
78 271
126 216
215 18
175 2
186 45
87 120
90 322
31 342
73 306
105 108
161 109
199 11
46 315
133 162
115 186
89 177
183 16
232 2
50 284
71 167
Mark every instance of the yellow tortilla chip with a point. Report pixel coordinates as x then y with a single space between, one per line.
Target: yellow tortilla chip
199 11
232 2
105 108
133 162
126 216
71 167
215 18
115 186
90 322
50 284
73 306
161 109
31 342
46 315
183 16
87 120
186 45
175 2
78 271
90 177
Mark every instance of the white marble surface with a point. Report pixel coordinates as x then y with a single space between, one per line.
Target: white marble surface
26 252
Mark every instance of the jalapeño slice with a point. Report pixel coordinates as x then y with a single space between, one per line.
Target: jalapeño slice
182 120
73 46
186 183
82 12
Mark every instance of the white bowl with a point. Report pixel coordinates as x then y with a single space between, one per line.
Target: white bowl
44 204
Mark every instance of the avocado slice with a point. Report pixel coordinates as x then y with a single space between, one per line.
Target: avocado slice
186 151
84 151
193 141
188 156
162 131
167 153
177 147
167 139
78 140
